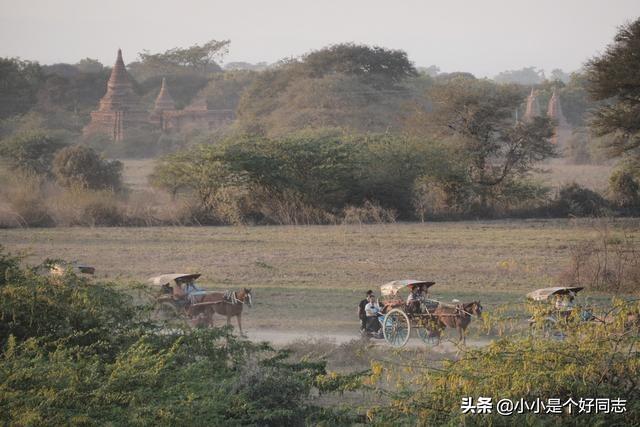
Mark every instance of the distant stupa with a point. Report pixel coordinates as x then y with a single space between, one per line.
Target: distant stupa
119 108
164 101
533 107
554 112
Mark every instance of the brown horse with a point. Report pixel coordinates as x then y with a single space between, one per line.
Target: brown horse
458 316
222 306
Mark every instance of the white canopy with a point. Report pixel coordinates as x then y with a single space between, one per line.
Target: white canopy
393 287
165 279
544 293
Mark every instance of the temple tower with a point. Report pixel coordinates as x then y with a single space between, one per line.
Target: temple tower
119 109
554 112
164 102
533 107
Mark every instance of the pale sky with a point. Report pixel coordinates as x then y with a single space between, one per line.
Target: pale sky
480 36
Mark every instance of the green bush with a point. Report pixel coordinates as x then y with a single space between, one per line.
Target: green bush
83 353
624 189
31 152
591 360
574 200
80 165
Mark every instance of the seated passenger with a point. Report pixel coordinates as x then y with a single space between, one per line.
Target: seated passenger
190 287
178 292
414 299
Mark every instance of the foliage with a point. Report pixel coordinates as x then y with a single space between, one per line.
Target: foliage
197 58
82 166
624 189
591 360
30 151
392 66
198 171
347 86
614 77
574 200
526 76
81 352
610 262
19 82
494 149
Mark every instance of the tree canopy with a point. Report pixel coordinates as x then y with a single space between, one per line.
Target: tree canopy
614 77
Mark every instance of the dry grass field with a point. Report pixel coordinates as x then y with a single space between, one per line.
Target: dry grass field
311 278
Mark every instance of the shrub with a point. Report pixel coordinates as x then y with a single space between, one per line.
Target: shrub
593 360
368 213
31 151
609 263
624 190
25 196
574 200
74 352
82 166
78 206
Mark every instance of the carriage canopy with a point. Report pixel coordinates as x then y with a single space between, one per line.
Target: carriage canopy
392 288
167 279
546 293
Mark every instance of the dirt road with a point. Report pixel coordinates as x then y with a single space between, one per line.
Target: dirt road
283 338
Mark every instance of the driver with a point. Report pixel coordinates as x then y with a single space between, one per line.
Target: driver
374 315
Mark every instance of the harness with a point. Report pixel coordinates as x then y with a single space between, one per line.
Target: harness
230 297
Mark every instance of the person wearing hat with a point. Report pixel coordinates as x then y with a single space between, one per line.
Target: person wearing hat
414 298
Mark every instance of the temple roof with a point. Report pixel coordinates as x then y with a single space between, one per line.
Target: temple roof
164 101
120 95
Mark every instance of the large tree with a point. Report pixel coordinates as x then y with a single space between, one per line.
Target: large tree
614 76
19 83
350 86
197 58
478 116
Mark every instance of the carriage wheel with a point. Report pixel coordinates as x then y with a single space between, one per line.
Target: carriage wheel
396 328
429 333
170 315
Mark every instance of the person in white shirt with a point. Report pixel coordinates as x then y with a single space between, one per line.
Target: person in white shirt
373 313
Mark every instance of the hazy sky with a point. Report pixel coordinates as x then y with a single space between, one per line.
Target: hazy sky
480 36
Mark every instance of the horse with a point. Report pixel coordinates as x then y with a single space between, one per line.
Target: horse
458 316
223 306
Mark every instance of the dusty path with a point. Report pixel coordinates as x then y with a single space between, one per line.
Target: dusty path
283 338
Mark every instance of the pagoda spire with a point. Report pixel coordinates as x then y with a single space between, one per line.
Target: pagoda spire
533 107
164 101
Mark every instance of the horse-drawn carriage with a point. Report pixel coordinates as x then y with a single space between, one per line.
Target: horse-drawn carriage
429 317
181 302
401 317
555 306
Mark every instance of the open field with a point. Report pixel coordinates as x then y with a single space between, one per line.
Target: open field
311 278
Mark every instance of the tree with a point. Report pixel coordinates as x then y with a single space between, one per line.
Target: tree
30 151
495 150
349 86
19 83
560 76
197 58
526 76
198 171
392 66
81 165
614 77
89 65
